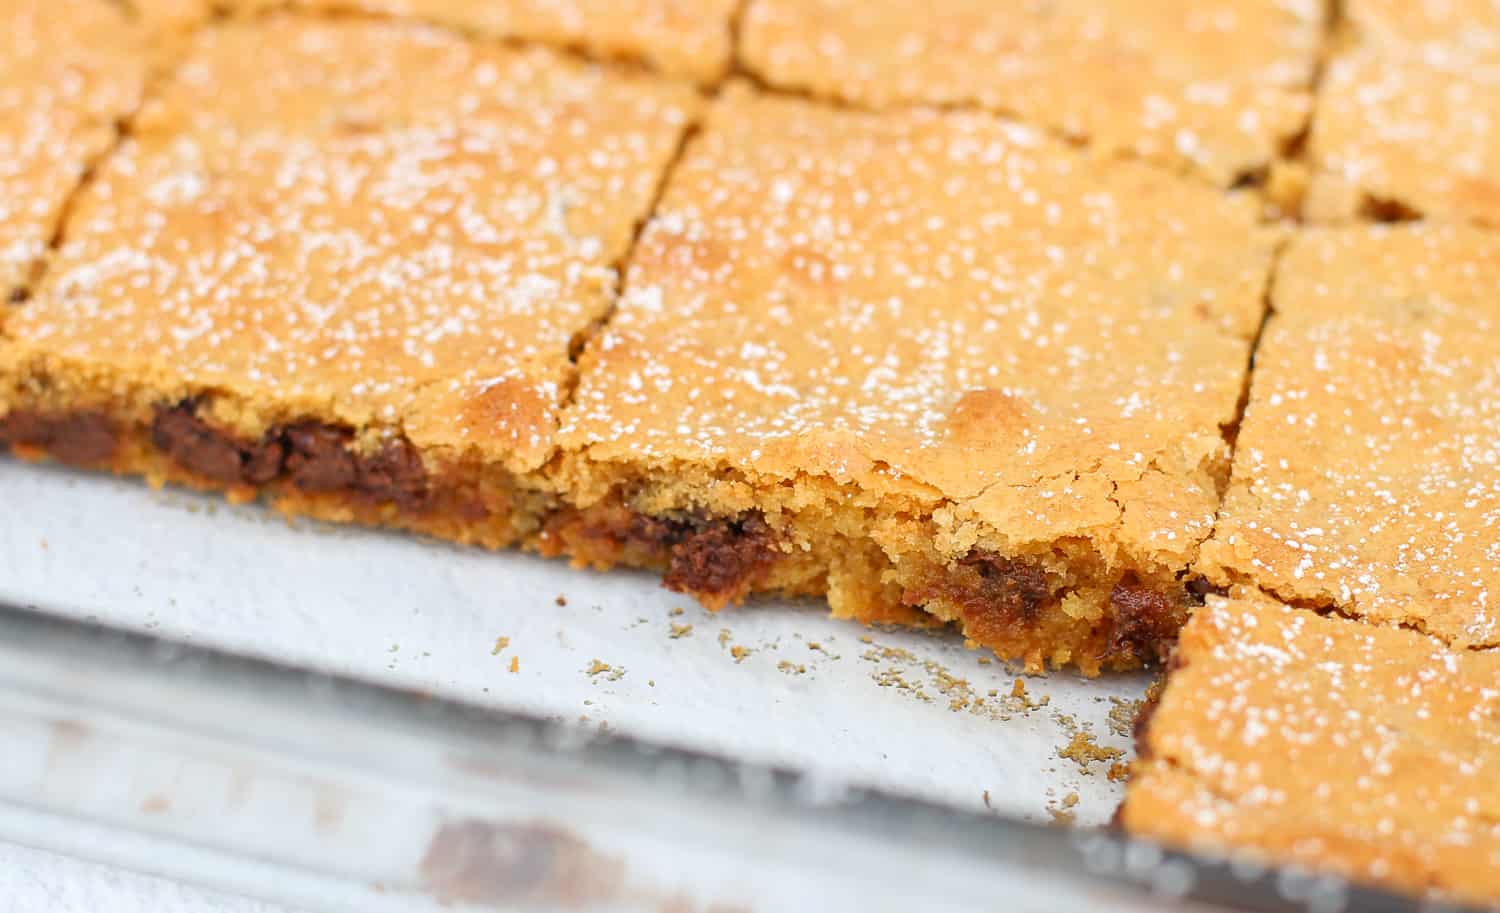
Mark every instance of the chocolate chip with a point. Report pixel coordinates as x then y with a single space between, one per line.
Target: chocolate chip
76 437
319 458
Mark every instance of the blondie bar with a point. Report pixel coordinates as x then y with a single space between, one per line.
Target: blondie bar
310 274
1365 473
1405 125
1371 752
70 70
930 365
1223 87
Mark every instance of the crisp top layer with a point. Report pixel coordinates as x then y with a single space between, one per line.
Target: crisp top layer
687 38
1435 28
1418 130
297 219
1371 751
1368 469
1219 85
69 69
946 299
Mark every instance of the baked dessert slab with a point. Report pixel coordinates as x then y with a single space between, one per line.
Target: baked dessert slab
1221 87
1400 136
309 275
1403 128
69 71
1365 472
683 38
1367 751
930 365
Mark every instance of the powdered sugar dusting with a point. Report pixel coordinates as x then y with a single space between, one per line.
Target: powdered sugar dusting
961 300
1368 751
299 218
1218 86
1368 468
68 70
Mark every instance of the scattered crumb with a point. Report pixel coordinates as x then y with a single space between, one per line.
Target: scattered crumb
1083 751
866 639
1122 716
791 668
515 664
1062 811
985 660
739 653
500 644
611 673
1118 772
651 683
724 636
1018 690
677 611
561 599
987 799
679 631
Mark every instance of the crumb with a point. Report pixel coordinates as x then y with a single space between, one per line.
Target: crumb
724 636
1062 811
515 664
680 631
1118 772
1019 689
791 668
677 611
1083 751
500 644
986 798
866 639
1122 716
561 599
596 667
739 653
985 660
651 683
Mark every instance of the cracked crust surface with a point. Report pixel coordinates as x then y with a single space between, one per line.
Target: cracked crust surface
69 69
298 229
1365 474
1021 344
1373 752
686 38
1406 120
1220 86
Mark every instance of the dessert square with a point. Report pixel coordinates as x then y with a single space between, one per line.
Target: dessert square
1222 87
1364 476
684 38
69 71
309 274
1399 138
1370 752
1438 28
927 364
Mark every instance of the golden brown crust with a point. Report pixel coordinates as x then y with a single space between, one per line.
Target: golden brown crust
69 70
685 38
1364 472
1220 86
1007 348
1366 751
1403 127
298 229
